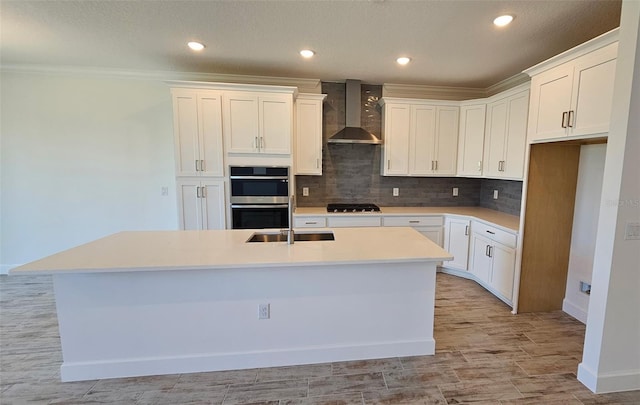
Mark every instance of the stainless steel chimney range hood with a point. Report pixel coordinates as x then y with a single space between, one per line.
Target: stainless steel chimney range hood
353 133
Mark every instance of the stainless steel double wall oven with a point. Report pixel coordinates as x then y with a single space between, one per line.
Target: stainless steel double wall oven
259 197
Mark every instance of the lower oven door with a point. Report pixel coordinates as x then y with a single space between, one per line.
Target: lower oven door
259 216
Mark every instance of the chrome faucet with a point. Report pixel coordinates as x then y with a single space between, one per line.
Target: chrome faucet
290 233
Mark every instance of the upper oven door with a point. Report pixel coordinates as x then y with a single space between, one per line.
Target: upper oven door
259 184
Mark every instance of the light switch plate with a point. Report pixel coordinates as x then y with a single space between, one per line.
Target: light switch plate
396 191
305 191
455 191
495 194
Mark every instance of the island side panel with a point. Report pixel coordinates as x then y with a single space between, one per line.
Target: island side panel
163 322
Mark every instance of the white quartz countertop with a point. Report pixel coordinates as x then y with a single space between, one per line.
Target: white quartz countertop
509 222
189 250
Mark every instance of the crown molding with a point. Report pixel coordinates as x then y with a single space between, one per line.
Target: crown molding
304 85
507 84
430 92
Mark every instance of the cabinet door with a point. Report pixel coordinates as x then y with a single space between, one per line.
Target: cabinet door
550 98
308 146
212 202
185 128
504 260
516 137
592 97
433 233
189 206
446 142
457 242
480 264
422 139
275 114
471 140
495 136
241 122
210 133
397 119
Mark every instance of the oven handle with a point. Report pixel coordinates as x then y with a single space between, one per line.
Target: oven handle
259 205
259 177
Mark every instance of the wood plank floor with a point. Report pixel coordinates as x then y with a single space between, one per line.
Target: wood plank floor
485 355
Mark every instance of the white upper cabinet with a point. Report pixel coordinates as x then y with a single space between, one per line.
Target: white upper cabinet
308 134
258 122
420 138
505 136
197 121
471 140
396 123
571 94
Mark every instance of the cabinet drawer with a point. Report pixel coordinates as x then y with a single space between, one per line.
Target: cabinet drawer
495 234
413 221
310 222
352 221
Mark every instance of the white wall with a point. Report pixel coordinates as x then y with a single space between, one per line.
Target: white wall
611 357
585 227
82 157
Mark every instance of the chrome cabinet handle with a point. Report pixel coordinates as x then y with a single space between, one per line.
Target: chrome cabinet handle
414 221
466 230
203 192
436 165
490 251
202 165
197 168
262 142
492 233
317 163
479 165
310 223
564 119
570 118
486 251
197 192
255 143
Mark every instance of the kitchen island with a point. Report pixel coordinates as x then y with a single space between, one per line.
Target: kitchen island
148 303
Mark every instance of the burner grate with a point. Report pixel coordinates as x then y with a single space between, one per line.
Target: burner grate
352 208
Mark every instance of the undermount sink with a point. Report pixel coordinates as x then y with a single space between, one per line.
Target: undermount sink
298 237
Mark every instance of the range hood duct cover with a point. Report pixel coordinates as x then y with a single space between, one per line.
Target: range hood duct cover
353 132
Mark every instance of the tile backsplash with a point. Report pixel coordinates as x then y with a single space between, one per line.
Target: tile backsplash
351 172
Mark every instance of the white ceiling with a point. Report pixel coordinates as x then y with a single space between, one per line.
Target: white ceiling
452 43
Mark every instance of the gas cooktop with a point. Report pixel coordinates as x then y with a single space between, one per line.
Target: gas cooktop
352 208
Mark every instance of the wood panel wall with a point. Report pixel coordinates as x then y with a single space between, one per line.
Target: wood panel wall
550 201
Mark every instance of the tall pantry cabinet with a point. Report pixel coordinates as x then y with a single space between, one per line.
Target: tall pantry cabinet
197 122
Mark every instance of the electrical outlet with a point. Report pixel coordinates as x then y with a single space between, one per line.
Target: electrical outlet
305 191
164 191
632 231
495 194
264 311
455 191
585 288
396 191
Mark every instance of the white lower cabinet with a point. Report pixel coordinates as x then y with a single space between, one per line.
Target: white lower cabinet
352 221
429 226
456 242
201 204
492 259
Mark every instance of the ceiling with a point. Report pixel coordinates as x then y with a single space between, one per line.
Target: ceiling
451 43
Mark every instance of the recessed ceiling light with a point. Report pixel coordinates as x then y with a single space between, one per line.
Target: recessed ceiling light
307 53
196 46
503 20
403 60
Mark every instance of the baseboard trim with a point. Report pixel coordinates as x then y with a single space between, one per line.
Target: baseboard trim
70 371
608 382
575 311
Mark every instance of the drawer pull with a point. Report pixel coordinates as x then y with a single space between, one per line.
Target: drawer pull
492 233
310 223
414 222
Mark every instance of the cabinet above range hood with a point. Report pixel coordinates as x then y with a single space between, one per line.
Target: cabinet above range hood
353 132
